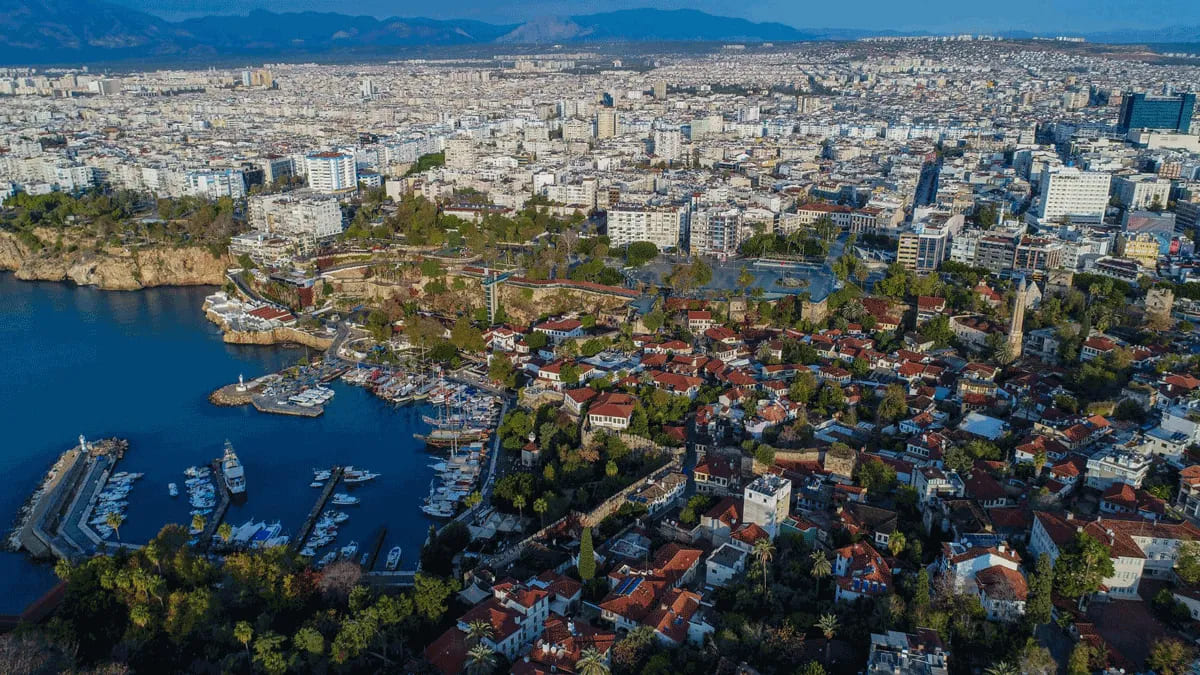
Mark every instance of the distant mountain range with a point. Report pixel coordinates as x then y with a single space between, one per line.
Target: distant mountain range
38 32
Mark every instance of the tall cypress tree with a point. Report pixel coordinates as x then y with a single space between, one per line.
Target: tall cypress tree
587 559
1037 609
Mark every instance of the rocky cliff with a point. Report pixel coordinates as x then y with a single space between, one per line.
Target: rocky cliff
276 337
113 268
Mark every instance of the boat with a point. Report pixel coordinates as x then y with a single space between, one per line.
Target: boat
327 558
393 558
322 474
366 557
352 475
439 509
316 484
231 467
349 550
173 489
308 551
343 499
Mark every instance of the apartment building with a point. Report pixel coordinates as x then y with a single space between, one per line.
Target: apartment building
664 226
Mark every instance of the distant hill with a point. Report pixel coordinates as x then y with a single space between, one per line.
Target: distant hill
38 32
635 25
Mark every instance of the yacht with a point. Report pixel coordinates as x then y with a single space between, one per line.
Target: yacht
173 489
327 558
322 474
349 550
393 559
439 509
343 499
231 466
353 475
316 484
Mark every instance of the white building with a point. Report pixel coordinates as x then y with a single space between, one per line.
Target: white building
1117 466
661 225
668 145
331 171
216 183
766 502
297 214
1067 192
1140 191
715 231
460 153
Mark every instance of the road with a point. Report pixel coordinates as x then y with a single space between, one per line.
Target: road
250 293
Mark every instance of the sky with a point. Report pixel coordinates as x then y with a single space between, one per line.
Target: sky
1059 16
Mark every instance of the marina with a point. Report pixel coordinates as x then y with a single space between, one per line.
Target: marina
87 336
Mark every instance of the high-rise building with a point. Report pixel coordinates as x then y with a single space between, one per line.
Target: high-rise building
460 153
367 89
668 144
1081 196
661 225
300 214
1142 111
1038 255
606 123
767 501
923 249
715 231
331 171
660 89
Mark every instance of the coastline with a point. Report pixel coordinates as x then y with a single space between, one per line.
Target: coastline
114 268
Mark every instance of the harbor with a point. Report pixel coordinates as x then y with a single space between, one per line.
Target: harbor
136 334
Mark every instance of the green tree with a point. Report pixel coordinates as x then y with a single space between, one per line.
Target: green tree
479 629
764 552
1187 562
480 659
1080 661
591 662
114 520
269 655
225 532
821 568
893 405
744 279
1038 608
828 625
1169 656
1081 567
540 506
310 641
519 503
587 558
639 253
243 633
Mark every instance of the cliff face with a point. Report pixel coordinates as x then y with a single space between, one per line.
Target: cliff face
275 337
114 268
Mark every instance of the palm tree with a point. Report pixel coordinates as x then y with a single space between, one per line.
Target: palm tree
480 659
477 630
244 633
519 502
114 520
828 625
198 522
821 568
591 662
764 550
540 506
225 532
1003 668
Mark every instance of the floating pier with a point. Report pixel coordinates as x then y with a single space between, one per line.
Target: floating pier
310 522
214 519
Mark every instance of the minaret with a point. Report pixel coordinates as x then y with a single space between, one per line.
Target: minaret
1015 333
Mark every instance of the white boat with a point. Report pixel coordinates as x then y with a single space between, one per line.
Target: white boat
349 550
393 559
342 499
322 474
327 558
231 466
173 489
365 558
353 475
316 484
439 509
308 551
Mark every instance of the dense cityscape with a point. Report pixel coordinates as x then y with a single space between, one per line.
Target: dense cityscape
819 357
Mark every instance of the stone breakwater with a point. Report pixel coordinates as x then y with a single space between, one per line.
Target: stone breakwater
113 268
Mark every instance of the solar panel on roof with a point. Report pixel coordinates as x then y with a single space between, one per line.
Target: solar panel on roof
637 581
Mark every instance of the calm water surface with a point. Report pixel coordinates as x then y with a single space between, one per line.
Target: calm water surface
140 366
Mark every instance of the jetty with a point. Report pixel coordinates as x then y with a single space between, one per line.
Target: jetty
310 522
375 546
266 405
224 498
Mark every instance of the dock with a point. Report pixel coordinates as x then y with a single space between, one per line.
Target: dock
214 519
263 405
378 539
310 522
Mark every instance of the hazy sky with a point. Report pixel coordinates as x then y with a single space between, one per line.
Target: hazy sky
934 15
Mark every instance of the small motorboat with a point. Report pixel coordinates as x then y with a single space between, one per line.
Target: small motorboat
393 558
316 484
173 489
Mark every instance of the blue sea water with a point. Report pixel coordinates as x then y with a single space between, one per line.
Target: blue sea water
140 366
